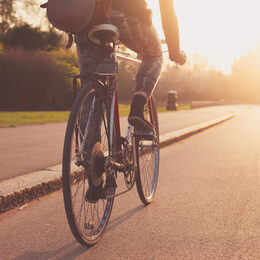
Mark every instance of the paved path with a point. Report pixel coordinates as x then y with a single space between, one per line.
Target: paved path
207 206
31 148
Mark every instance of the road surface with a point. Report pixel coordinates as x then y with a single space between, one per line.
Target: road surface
207 206
28 149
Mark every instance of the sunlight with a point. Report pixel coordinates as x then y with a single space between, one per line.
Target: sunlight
219 29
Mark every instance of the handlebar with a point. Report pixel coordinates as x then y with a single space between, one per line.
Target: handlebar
129 59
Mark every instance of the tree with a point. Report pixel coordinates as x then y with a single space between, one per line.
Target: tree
7 16
34 81
246 77
10 15
28 38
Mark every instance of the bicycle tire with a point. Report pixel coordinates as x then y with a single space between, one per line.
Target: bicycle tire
87 221
148 156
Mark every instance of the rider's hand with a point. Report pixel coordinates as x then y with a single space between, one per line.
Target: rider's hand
179 58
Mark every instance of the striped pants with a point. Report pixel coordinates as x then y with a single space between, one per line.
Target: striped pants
135 35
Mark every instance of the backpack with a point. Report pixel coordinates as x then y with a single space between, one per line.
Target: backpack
75 16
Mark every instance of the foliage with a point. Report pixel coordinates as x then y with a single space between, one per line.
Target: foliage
34 81
9 10
68 56
7 16
246 78
28 38
192 83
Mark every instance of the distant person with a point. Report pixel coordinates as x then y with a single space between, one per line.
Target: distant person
138 34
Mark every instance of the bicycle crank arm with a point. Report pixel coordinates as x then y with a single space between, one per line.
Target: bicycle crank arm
118 194
116 166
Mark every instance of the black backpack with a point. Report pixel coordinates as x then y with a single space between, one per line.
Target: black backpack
75 16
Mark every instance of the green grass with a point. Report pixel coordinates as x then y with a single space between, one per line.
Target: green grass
184 106
25 118
41 117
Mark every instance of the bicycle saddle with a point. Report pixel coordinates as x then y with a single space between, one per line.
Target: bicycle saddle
103 34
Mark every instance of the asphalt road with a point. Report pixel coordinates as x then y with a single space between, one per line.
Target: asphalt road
31 148
207 206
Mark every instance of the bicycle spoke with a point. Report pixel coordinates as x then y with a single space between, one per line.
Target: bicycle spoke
82 203
87 126
77 190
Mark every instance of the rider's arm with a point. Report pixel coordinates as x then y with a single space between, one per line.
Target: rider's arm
171 30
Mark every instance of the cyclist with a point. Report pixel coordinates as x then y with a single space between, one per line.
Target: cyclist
138 34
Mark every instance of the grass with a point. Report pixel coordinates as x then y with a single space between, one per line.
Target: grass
35 117
41 117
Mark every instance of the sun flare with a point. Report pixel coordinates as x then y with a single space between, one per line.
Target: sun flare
220 30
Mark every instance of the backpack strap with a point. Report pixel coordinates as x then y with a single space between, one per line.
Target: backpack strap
102 11
44 5
70 40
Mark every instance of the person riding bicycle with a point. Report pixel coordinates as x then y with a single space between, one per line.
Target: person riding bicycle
138 34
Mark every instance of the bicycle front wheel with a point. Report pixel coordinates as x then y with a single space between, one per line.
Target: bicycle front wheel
148 158
86 126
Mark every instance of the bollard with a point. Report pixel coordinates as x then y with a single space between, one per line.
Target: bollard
172 100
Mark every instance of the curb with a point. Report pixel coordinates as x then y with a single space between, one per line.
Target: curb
178 135
17 191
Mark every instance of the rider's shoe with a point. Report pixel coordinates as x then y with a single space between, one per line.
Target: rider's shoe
140 123
93 194
136 116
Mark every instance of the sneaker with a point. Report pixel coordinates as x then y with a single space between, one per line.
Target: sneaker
93 194
136 116
140 123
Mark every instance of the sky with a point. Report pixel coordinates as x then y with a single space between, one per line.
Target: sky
219 30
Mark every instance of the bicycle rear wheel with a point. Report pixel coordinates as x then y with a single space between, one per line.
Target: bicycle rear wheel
148 158
86 126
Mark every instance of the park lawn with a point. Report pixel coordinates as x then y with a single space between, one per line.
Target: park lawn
34 117
42 117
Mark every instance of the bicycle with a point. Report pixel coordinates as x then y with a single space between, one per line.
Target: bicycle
94 125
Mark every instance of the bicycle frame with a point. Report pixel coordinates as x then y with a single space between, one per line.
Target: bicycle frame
113 117
95 152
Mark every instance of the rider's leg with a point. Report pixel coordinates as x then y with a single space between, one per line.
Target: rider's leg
146 79
88 54
143 39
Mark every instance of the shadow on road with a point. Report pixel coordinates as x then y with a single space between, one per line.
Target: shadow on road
70 251
73 249
123 217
